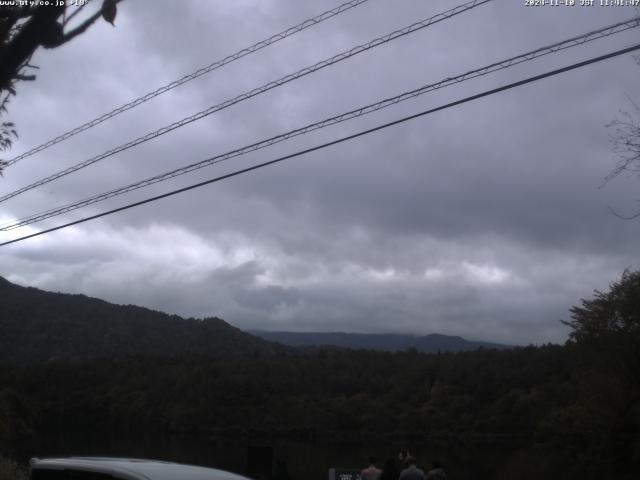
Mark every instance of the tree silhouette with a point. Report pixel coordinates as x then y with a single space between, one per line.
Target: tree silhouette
625 137
25 28
609 324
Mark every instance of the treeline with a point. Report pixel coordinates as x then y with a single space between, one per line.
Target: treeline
530 398
359 391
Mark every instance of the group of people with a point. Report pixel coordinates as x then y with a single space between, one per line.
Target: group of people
402 468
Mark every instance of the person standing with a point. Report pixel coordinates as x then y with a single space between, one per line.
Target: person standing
402 459
371 472
412 472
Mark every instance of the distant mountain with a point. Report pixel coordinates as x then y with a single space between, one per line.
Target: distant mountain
385 342
36 325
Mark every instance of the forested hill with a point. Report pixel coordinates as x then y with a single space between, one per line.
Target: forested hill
36 325
432 343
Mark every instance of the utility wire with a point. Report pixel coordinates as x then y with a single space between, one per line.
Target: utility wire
335 142
192 76
264 88
571 42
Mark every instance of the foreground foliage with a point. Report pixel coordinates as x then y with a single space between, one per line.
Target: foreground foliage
10 470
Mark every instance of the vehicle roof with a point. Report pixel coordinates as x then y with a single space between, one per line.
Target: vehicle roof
135 469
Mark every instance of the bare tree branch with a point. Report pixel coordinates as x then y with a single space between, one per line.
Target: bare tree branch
24 43
25 28
624 217
75 12
86 24
626 141
80 28
28 78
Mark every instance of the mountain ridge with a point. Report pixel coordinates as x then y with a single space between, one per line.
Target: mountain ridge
390 342
37 325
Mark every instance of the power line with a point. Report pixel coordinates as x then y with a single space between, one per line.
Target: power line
571 42
247 95
192 76
335 142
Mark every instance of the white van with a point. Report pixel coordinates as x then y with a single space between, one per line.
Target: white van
104 468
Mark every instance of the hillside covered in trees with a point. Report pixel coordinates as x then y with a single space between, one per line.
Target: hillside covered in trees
36 325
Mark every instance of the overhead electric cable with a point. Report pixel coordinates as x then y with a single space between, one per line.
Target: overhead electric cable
571 42
257 91
192 76
335 142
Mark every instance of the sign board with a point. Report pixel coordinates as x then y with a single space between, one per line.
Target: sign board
344 474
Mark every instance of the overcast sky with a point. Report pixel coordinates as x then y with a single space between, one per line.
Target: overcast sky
485 220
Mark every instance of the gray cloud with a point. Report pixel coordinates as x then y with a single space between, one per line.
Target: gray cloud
484 220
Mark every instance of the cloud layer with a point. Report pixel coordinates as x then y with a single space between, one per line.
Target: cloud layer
483 220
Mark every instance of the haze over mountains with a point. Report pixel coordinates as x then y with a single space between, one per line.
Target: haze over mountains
432 343
36 325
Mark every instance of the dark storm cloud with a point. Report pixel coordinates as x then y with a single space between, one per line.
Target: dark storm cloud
484 220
